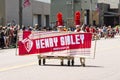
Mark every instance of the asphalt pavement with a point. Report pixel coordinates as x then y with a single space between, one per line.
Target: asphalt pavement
105 66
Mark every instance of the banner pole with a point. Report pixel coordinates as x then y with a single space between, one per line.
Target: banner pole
95 47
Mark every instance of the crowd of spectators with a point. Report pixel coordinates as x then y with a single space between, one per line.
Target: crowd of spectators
8 34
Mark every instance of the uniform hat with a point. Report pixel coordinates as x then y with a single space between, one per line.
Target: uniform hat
77 19
59 22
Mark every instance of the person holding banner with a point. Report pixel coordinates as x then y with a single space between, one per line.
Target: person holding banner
60 27
82 59
79 29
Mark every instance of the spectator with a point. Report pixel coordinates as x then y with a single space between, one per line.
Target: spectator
117 30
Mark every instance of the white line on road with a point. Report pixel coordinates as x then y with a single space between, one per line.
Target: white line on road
17 66
34 63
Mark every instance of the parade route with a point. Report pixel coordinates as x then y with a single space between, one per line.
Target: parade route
105 66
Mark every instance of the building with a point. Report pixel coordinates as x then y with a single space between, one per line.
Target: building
113 3
89 14
109 12
2 12
37 13
107 15
95 12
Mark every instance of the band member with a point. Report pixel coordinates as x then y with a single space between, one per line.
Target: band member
60 27
79 29
82 59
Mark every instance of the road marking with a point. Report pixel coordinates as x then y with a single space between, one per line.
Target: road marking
17 66
34 63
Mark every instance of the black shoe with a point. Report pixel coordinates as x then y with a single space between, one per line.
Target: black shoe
83 65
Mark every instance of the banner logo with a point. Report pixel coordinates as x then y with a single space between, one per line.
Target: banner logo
28 44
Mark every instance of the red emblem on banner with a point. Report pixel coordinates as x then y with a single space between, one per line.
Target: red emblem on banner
28 44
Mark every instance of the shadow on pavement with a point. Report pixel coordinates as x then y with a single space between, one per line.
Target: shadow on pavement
65 65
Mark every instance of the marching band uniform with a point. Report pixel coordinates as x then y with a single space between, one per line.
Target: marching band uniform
82 59
79 29
60 27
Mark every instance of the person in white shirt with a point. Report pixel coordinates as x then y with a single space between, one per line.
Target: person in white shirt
80 29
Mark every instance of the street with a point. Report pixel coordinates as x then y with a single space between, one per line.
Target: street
105 66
